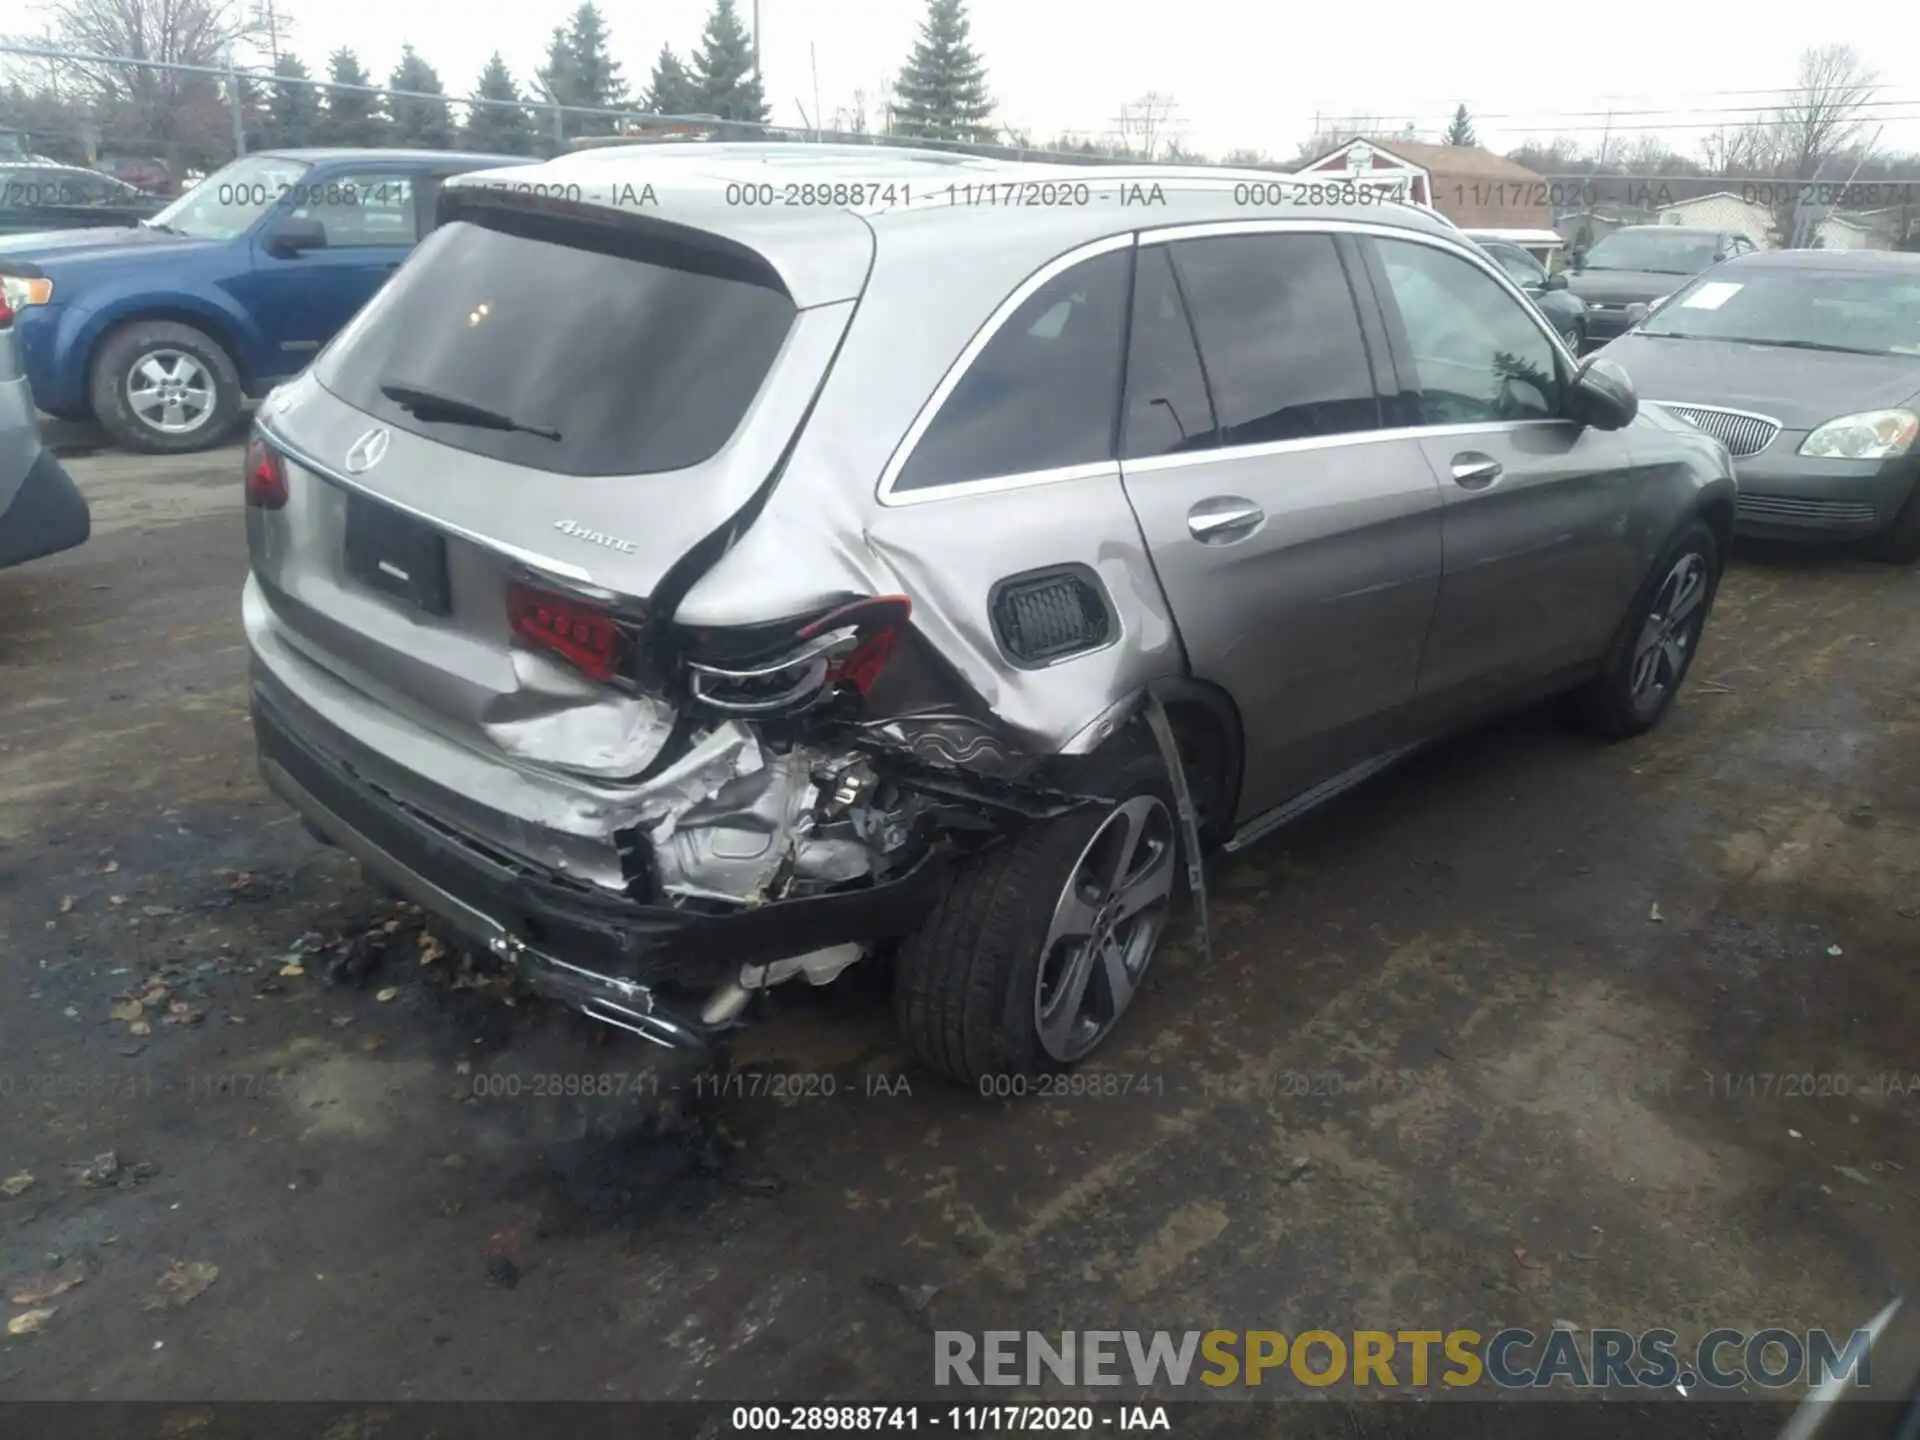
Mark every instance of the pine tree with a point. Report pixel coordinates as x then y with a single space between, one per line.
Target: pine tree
581 71
350 117
723 63
942 90
672 90
495 129
293 110
424 124
1460 132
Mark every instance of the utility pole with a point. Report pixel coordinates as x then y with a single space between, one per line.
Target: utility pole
233 107
756 47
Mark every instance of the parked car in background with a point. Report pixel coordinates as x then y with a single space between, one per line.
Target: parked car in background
1640 263
158 332
759 589
1806 365
39 195
41 510
1547 247
1566 312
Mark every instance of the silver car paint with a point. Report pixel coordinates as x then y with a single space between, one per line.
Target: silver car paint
1323 631
19 422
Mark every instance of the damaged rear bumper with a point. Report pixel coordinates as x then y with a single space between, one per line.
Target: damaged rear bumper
605 955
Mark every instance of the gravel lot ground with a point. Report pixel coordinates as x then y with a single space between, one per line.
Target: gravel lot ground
1536 968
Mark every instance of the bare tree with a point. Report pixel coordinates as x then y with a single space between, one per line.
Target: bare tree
1330 134
1820 122
1142 124
179 113
1745 149
1824 116
1247 157
1560 156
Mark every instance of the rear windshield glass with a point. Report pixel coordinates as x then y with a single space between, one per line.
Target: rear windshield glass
1651 250
638 366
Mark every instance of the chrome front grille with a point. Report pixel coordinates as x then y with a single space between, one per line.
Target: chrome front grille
1833 514
1742 434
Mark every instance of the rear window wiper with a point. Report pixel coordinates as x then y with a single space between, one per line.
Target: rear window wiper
431 405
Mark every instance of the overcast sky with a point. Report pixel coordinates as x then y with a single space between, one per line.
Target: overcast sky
1240 73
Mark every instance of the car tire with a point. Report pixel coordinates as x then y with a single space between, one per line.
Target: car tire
164 388
982 989
1654 648
1899 543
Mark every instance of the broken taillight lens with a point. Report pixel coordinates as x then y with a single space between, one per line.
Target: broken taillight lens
266 476
845 649
578 631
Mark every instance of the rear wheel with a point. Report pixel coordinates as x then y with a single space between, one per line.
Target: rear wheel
165 388
1038 947
1656 643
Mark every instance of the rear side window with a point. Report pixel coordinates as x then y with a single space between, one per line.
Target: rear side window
643 362
1279 337
1045 391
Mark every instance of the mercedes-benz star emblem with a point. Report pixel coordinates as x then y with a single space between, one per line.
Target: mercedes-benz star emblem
368 450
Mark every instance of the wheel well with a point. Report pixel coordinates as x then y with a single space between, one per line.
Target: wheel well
1718 513
1206 726
215 330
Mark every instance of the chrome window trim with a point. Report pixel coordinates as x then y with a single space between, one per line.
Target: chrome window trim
956 372
1717 410
328 473
1198 230
994 484
1455 244
1150 464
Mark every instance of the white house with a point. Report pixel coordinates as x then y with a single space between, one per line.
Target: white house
1725 210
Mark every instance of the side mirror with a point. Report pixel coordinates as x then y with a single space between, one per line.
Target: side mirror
1603 395
295 234
1718 256
1557 280
1637 313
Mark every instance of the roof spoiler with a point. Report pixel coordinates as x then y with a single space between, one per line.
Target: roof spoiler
560 220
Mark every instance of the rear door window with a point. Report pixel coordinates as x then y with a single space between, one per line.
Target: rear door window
1280 339
643 361
1168 409
1044 392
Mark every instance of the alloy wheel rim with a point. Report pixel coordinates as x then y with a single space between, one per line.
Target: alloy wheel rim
171 391
1667 637
1106 925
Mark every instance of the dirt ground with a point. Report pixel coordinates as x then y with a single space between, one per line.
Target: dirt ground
1536 968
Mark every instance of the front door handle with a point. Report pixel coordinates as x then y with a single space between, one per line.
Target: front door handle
1474 471
1223 519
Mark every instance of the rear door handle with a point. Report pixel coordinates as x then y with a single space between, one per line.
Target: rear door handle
1474 471
1223 519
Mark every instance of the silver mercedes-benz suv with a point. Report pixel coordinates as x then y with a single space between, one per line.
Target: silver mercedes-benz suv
705 567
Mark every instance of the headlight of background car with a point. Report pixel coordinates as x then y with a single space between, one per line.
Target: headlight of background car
21 292
1870 435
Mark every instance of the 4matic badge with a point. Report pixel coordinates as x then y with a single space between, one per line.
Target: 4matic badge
577 531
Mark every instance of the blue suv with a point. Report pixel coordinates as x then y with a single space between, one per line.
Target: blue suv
159 330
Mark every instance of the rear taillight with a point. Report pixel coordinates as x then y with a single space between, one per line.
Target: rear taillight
266 476
845 650
6 313
578 631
